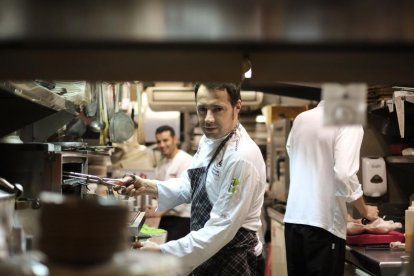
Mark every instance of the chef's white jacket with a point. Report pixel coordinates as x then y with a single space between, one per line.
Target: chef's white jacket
232 207
173 168
324 161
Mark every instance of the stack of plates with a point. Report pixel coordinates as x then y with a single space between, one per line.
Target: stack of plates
81 232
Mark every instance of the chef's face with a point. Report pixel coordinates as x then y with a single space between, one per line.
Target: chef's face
216 115
166 143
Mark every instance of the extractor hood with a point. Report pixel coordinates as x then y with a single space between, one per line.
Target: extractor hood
25 103
176 98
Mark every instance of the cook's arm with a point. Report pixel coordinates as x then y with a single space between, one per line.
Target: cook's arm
347 151
140 186
367 211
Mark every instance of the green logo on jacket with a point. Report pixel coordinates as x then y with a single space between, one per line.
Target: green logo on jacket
234 183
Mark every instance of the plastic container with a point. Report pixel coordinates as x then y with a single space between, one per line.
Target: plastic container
374 176
409 227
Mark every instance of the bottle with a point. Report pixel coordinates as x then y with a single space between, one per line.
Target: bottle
409 227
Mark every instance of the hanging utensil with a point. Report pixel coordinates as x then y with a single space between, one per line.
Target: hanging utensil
92 106
98 125
121 126
77 127
103 138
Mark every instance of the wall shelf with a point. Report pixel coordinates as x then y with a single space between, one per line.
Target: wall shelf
407 159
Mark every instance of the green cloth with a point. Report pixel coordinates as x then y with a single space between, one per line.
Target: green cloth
147 230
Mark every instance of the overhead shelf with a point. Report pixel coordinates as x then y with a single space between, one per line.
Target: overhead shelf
23 103
38 94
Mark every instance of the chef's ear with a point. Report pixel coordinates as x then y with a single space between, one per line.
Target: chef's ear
238 105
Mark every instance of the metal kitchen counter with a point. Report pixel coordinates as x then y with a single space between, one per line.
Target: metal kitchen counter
375 261
275 214
384 262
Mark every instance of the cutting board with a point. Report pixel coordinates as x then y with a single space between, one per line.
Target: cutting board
363 239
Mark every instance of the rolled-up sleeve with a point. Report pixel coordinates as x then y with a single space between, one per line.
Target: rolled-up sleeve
347 156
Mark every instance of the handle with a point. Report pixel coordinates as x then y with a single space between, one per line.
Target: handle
279 160
16 189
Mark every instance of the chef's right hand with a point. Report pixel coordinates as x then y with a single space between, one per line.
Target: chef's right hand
131 185
371 213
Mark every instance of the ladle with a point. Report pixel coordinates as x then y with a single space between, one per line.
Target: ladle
97 125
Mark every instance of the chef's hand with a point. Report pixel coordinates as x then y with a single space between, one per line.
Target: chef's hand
146 246
371 213
150 211
133 185
130 185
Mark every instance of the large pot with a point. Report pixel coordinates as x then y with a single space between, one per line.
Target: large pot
11 237
8 194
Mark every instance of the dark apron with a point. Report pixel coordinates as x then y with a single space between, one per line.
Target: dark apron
235 258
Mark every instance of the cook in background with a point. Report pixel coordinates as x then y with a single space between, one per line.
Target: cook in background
173 163
225 185
323 165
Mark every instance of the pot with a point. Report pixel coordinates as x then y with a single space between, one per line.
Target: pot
8 238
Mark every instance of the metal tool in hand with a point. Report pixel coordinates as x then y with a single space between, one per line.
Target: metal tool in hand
93 178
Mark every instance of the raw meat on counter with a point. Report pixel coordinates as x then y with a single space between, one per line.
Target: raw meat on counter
378 226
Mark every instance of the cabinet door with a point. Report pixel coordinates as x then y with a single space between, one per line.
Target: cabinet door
279 267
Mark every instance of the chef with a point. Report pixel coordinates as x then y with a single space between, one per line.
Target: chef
225 184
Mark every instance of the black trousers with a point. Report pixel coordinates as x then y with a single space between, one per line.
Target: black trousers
177 227
313 251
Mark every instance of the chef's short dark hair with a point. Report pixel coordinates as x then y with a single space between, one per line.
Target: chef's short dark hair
232 89
165 128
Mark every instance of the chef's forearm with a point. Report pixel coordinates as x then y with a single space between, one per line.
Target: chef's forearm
150 187
360 205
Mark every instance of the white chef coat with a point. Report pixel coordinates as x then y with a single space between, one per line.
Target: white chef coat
231 209
173 168
324 161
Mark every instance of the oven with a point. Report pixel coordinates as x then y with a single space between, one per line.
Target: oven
38 167
277 160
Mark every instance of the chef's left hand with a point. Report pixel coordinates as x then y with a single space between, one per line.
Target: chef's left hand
147 246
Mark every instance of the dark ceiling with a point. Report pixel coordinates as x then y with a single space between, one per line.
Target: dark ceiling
180 40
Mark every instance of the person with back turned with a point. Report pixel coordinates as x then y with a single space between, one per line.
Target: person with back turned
225 185
324 161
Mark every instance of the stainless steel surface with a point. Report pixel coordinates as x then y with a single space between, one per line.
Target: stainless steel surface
16 189
7 200
275 214
295 40
376 262
135 224
277 159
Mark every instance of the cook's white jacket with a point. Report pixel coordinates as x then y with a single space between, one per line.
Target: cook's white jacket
232 207
173 168
324 161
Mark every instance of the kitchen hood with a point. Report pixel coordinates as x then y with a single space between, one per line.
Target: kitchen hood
182 99
26 103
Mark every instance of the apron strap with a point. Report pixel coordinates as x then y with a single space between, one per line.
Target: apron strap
219 148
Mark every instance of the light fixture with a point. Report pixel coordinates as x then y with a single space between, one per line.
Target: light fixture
248 74
260 119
